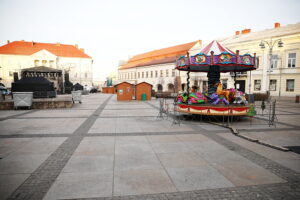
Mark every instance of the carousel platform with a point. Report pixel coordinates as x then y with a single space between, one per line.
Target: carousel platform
61 101
213 110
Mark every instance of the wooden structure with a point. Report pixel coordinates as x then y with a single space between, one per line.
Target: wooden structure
143 88
125 91
108 90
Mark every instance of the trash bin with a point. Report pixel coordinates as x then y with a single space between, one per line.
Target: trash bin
22 99
76 96
297 98
250 98
144 97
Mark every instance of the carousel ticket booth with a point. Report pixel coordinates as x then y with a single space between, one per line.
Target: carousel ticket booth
125 91
143 91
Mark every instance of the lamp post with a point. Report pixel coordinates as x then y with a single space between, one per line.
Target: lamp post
270 44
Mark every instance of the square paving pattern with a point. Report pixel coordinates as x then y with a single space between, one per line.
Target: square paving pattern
103 149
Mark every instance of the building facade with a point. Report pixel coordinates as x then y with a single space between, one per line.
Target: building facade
156 67
18 55
279 64
278 73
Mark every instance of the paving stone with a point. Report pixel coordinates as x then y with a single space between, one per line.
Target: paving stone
132 182
84 164
196 178
10 182
81 185
39 126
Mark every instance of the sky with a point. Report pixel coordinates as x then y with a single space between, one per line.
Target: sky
113 30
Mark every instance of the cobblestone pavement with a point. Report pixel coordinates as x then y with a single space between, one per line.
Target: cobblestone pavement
104 149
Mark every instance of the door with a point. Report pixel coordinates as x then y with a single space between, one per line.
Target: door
240 85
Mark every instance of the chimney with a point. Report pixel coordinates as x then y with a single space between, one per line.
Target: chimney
277 25
82 49
58 44
8 41
245 31
237 32
76 45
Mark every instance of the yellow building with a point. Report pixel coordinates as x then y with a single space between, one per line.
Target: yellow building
18 55
279 62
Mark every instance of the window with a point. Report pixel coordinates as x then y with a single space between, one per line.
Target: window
292 60
257 85
167 72
138 74
290 84
11 73
273 85
142 74
274 61
146 74
151 74
44 62
224 84
51 63
258 59
173 72
161 73
134 75
156 73
36 63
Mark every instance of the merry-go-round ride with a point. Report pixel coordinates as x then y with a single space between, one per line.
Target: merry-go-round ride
214 59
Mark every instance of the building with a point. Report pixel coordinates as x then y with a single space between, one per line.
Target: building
281 76
18 55
156 67
279 72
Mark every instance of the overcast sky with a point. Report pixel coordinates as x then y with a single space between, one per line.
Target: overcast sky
112 30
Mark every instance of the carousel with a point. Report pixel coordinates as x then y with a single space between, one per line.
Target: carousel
214 59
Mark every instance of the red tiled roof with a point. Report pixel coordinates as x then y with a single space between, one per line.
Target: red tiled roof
29 48
159 56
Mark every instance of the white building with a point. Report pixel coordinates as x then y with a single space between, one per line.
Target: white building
18 55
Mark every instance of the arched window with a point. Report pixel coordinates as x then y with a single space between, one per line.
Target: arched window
159 88
170 87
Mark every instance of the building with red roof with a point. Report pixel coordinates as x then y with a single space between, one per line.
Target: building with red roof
18 55
156 67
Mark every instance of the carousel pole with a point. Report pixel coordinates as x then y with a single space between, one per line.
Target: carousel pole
213 75
237 62
188 77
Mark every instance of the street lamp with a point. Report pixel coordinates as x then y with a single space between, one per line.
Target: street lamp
270 44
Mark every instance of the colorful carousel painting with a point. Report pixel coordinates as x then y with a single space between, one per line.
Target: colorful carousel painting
214 59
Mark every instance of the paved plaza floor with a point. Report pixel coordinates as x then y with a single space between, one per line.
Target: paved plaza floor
104 149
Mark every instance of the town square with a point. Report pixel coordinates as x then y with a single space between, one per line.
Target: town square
122 103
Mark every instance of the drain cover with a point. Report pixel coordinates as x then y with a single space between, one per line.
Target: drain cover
295 149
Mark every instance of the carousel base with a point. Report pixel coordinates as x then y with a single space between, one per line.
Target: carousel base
216 110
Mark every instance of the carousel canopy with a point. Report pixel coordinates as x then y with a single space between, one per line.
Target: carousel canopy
214 54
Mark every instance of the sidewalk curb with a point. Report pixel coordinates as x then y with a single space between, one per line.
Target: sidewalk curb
236 133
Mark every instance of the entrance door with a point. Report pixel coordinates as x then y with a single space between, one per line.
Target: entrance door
240 85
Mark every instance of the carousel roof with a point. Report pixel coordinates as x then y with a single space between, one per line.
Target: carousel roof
214 54
216 47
